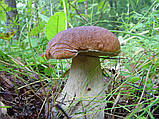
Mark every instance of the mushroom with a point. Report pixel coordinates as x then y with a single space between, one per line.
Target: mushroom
84 44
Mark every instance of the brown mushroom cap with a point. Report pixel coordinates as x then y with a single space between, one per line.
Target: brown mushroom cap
90 40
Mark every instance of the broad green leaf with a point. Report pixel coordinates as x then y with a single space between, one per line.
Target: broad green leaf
3 7
55 24
2 16
100 5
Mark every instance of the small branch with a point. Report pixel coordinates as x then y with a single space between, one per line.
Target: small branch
144 90
62 110
144 86
78 12
101 12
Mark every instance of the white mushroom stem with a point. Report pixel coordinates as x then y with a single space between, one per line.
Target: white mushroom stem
85 82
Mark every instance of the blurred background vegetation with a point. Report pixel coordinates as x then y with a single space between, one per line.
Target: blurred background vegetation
26 26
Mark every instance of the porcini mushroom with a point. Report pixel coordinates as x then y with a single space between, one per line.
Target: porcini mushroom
84 44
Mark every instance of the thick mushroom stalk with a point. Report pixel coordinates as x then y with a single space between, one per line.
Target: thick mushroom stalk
85 82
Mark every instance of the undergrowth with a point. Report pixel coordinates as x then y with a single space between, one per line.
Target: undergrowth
30 84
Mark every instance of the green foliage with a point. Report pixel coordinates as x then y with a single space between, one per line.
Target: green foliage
2 14
56 23
136 24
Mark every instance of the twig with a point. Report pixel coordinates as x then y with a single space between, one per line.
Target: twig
101 12
144 90
60 108
17 62
42 107
78 12
144 86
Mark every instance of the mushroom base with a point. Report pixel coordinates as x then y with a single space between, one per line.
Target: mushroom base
85 88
